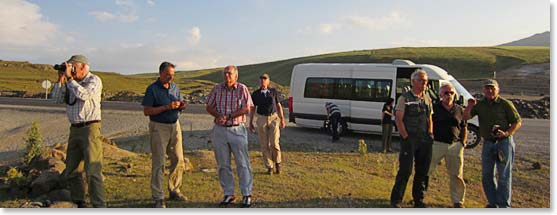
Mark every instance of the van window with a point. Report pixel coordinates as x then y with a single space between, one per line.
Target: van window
319 88
348 89
372 90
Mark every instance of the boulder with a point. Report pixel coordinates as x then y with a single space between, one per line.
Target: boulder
47 181
55 153
59 195
64 204
188 166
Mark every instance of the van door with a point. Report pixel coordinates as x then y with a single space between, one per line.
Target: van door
371 89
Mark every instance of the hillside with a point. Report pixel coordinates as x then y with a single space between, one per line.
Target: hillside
461 62
541 39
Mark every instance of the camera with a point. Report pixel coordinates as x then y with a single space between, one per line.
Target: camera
60 67
495 130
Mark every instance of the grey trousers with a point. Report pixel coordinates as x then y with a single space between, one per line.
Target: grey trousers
232 139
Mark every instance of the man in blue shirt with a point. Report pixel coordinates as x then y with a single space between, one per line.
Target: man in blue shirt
162 103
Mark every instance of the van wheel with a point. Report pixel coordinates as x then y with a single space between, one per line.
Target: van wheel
473 138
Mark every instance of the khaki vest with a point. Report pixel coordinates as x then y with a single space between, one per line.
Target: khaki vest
416 113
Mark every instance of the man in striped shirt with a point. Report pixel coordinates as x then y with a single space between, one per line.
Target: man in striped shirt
229 102
333 114
81 91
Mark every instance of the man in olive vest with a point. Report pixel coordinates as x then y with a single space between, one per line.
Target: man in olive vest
413 118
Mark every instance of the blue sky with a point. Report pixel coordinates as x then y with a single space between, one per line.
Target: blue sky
135 36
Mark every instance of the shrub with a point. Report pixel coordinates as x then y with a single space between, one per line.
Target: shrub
362 147
34 143
14 177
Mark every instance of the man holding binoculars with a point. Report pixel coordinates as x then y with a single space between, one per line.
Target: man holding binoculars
81 91
499 120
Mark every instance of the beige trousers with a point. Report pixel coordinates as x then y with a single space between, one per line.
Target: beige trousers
268 133
454 159
166 139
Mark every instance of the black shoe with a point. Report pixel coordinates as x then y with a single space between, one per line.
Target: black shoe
490 206
160 204
277 168
269 171
419 205
228 199
176 196
246 201
458 205
81 204
395 205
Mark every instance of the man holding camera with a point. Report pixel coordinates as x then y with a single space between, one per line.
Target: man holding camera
162 103
81 91
499 120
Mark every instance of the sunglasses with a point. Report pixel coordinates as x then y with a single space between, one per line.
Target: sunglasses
449 93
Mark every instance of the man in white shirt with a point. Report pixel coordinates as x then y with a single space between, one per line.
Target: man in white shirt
81 91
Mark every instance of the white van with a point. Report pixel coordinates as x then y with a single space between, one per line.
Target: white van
360 90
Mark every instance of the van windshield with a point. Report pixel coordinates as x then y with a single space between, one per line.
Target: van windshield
461 90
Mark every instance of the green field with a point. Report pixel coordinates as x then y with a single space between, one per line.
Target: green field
311 180
461 62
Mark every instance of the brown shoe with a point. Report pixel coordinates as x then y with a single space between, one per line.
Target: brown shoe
458 205
269 171
160 204
176 196
277 167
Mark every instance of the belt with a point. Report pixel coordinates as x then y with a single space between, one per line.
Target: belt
231 125
83 124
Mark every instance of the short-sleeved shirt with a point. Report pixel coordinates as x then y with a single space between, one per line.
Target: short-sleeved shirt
448 124
387 119
331 109
500 112
156 95
229 100
266 101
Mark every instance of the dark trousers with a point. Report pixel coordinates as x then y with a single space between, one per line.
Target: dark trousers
334 119
415 149
387 133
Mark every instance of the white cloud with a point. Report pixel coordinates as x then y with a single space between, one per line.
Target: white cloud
151 2
104 16
22 24
392 19
194 36
128 3
131 45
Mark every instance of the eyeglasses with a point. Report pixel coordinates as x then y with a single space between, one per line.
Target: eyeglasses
449 93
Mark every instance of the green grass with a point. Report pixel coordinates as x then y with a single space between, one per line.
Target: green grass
313 179
461 62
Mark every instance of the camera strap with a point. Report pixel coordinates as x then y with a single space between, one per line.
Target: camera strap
67 97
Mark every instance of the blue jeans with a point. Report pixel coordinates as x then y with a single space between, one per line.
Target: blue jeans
498 156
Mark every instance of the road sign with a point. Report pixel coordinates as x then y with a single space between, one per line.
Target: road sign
46 85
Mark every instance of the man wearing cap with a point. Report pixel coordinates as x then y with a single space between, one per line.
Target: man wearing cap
270 119
499 121
162 103
81 91
229 102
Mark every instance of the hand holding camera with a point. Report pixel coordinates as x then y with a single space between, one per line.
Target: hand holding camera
182 106
65 70
497 132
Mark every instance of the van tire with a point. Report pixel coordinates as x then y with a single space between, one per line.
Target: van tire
473 137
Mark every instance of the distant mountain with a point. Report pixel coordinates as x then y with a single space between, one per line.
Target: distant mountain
541 39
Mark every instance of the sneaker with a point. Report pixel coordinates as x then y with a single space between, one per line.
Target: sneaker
490 206
228 199
277 167
246 201
396 205
80 204
160 204
419 204
177 196
458 205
